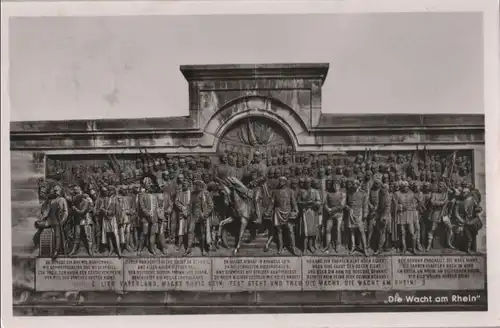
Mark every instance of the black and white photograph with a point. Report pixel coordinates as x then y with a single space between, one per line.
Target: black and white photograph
250 163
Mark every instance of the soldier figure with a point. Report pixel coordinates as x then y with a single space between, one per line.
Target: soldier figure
284 211
407 220
125 218
200 210
373 209
334 211
181 209
82 221
54 216
384 217
310 203
221 203
261 170
161 224
439 213
135 224
464 212
472 226
357 208
148 215
320 185
110 210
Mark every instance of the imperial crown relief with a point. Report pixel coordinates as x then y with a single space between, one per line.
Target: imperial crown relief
257 197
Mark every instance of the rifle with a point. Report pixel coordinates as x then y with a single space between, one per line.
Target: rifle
449 180
115 165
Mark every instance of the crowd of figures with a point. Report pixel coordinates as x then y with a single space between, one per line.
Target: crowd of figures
304 202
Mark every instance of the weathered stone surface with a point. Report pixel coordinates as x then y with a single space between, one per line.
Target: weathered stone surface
221 98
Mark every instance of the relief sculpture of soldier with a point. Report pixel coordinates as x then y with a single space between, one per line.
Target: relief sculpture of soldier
344 202
54 216
283 209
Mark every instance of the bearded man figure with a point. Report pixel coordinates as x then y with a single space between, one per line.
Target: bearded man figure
54 217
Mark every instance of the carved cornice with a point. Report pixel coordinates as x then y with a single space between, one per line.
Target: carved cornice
342 130
255 71
181 125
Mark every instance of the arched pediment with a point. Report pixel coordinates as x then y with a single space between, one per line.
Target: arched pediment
254 106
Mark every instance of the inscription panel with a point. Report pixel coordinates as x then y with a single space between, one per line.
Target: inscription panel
154 274
346 273
256 274
235 274
78 274
439 272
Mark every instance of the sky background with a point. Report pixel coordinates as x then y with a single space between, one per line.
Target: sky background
128 67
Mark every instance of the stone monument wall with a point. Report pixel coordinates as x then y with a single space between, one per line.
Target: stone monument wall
238 110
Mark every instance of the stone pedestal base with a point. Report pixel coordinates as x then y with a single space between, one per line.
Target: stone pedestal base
256 284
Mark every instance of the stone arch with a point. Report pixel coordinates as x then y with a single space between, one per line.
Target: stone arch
254 106
283 135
